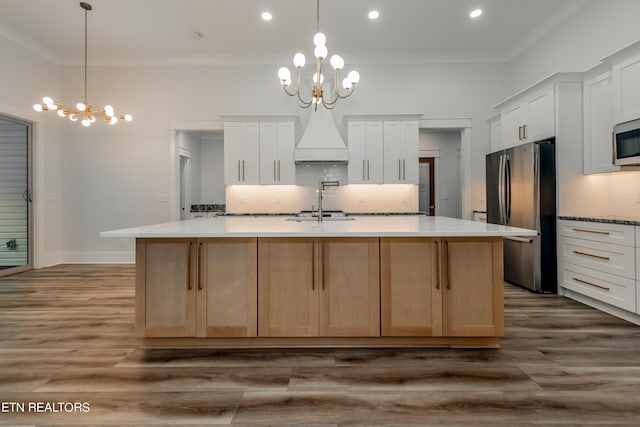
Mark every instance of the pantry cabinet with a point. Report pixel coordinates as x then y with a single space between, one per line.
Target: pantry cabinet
318 287
196 287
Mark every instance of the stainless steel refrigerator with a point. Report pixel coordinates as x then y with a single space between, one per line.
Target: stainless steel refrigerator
521 192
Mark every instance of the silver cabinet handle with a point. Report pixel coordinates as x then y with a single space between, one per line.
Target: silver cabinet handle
368 177
399 169
524 132
243 170
279 178
404 170
363 163
520 133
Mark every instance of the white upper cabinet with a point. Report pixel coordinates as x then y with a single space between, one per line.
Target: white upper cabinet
365 151
529 119
626 77
598 123
495 130
241 153
401 152
277 144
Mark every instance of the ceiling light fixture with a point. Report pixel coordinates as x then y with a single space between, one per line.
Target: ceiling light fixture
82 110
374 14
267 16
475 13
317 93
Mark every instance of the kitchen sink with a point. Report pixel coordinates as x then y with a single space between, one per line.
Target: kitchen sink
324 218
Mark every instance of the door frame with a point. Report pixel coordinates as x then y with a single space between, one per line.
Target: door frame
30 203
432 186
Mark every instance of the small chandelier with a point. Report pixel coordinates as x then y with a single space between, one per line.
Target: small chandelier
83 110
317 93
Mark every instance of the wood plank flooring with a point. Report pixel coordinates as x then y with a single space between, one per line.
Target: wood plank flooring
66 335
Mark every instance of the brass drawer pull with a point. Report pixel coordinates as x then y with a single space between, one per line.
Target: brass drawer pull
583 230
590 284
606 258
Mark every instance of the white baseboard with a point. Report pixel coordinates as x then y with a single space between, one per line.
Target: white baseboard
602 306
98 257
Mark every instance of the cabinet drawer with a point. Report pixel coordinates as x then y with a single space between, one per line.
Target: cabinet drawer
614 290
614 259
618 234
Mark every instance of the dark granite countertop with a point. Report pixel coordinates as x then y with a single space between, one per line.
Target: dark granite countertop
604 219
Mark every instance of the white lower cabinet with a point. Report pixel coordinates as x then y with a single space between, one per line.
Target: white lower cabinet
599 260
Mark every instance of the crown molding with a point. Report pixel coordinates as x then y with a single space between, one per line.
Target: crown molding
29 44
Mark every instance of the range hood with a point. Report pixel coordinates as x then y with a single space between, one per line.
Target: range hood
321 142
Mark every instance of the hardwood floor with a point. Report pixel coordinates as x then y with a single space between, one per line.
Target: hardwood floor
66 336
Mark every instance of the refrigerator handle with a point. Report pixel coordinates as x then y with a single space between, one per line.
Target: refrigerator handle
536 184
507 174
501 188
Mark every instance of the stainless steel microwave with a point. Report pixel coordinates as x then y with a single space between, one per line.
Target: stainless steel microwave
626 143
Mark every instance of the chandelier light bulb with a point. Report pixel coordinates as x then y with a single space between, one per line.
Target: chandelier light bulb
354 77
319 40
80 106
37 107
298 60
113 120
108 110
73 117
52 107
320 51
346 83
315 78
337 62
284 74
92 119
128 117
86 122
61 113
47 100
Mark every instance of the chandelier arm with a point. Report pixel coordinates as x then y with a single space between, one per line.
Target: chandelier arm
302 102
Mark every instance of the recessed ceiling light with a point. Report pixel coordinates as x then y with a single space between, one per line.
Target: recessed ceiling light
374 14
267 16
475 13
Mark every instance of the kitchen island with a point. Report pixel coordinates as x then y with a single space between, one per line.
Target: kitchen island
277 281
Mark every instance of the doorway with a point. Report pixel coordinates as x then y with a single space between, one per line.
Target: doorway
16 210
426 186
185 187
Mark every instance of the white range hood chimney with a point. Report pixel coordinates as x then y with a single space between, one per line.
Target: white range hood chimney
321 141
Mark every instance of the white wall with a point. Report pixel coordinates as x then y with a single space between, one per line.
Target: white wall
600 28
26 78
212 170
447 144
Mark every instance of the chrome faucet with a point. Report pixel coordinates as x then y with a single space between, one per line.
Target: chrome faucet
321 186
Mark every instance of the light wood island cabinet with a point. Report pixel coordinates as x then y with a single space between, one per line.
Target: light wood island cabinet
196 287
320 291
318 287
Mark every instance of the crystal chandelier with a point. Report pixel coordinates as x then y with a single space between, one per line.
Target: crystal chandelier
83 110
317 93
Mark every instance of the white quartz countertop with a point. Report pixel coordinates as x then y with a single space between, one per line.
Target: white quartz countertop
279 226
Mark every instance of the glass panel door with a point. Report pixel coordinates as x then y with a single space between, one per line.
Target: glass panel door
15 196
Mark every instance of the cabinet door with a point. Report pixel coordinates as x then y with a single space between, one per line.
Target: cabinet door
286 165
350 287
250 172
410 152
495 129
227 287
232 153
268 152
626 81
287 287
374 133
166 287
411 299
598 125
357 166
473 287
393 152
512 121
541 122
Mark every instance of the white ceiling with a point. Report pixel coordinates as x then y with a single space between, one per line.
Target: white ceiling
161 30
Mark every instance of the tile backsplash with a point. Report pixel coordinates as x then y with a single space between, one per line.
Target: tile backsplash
349 198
